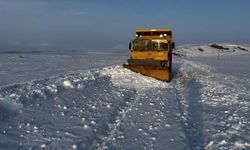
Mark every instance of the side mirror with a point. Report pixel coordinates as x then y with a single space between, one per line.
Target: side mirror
130 46
173 45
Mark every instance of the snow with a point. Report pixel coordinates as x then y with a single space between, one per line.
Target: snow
25 67
101 105
67 84
43 146
9 106
127 79
74 146
208 50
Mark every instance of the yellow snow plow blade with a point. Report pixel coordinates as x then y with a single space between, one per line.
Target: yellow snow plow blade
160 73
151 53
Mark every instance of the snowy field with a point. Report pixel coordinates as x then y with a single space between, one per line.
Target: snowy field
24 67
89 101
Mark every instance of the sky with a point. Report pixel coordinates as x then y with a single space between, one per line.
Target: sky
110 24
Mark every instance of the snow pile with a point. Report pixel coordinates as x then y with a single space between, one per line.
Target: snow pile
67 84
214 49
122 77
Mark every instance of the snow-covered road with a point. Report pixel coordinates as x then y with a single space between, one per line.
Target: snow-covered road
114 108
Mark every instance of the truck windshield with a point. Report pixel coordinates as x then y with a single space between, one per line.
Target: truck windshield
155 44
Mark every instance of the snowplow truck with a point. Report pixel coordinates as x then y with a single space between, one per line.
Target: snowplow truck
151 53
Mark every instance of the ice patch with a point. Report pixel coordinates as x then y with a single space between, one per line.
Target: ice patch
209 145
74 146
67 84
43 146
125 78
167 125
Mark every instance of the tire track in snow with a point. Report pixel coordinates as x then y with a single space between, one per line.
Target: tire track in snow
188 95
190 107
96 94
118 121
224 102
127 79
